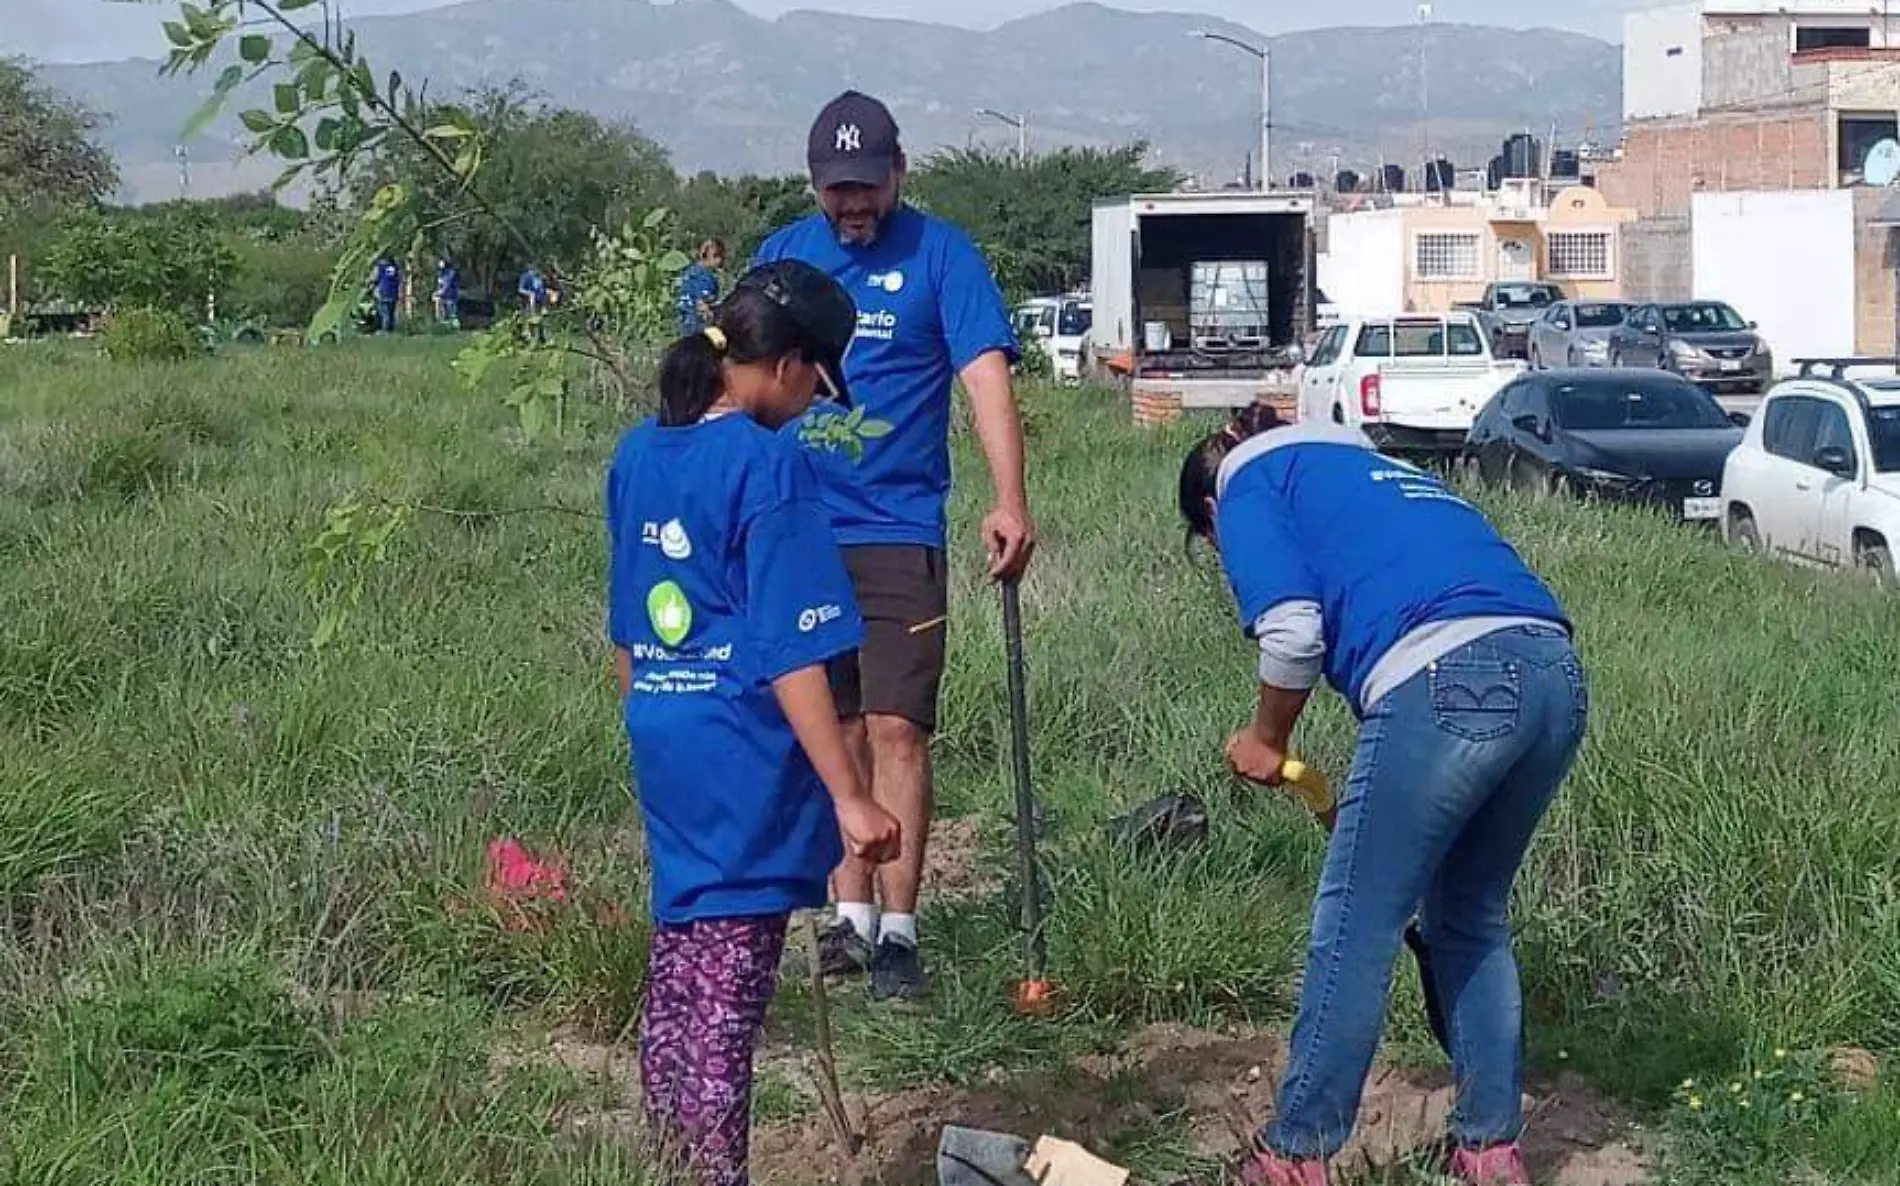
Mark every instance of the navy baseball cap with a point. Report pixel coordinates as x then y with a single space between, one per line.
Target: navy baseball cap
853 142
824 312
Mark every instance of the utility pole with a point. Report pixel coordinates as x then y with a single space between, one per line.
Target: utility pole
184 170
1425 98
1020 123
1266 98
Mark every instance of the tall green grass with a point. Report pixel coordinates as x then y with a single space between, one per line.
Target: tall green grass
273 856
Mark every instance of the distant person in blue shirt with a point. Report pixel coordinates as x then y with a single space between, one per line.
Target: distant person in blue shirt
699 287
386 278
533 290
1458 662
448 292
929 314
726 596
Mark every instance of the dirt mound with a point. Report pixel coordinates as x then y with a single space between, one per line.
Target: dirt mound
1216 1087
1209 1089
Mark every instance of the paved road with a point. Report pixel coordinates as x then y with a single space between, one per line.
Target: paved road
1739 403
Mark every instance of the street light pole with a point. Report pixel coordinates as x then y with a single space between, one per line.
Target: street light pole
1266 98
1020 123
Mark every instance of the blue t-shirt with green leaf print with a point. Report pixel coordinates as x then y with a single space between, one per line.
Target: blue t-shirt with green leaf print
927 308
723 576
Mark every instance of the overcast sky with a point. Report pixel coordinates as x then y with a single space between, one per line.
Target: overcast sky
95 30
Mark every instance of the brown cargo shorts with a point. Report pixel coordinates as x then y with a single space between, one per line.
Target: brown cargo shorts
903 592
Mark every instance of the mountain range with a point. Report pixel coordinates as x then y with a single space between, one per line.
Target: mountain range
731 92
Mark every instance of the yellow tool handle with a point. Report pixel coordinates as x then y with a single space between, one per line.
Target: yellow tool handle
1309 783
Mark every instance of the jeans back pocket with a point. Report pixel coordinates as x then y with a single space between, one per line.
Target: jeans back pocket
1476 699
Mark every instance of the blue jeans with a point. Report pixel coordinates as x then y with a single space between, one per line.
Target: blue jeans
1453 771
386 314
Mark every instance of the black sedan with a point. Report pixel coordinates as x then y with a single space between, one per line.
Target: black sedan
1624 435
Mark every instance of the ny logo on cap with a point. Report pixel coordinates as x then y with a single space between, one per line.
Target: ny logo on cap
849 138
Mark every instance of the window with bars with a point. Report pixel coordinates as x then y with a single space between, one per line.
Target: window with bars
1446 255
1579 255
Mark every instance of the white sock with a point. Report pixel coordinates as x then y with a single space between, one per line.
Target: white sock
902 927
863 919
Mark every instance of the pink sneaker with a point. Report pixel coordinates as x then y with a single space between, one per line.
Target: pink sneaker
1270 1169
1500 1165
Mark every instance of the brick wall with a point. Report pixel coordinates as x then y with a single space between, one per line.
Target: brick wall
1665 162
1657 260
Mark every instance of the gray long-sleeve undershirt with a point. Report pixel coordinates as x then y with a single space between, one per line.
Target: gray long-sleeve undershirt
1292 645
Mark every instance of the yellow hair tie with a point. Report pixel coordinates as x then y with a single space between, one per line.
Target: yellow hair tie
716 336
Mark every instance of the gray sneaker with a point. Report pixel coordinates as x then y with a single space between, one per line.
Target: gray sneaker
897 972
844 952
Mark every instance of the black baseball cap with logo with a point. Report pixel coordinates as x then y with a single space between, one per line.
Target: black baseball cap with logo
824 312
853 142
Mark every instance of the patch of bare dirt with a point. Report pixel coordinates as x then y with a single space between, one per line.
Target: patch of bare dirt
955 867
1217 1086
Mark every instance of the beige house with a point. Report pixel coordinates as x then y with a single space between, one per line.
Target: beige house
1426 257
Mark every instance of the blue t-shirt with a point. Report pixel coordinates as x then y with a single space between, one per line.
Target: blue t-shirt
698 283
532 285
1306 514
722 577
927 307
448 283
388 280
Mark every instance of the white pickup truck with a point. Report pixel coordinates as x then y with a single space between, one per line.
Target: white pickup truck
1412 382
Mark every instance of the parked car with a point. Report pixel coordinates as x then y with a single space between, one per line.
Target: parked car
1706 342
1816 480
1507 310
1060 325
1576 334
1412 382
1630 436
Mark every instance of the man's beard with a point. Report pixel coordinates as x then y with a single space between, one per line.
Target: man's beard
878 226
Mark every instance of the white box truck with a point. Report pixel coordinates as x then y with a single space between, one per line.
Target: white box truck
1202 297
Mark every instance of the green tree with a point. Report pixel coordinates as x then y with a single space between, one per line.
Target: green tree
1033 217
119 261
553 175
47 155
740 210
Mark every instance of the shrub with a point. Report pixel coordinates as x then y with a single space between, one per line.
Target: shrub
278 283
149 335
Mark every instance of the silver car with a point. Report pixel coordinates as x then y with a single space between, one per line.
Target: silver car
1575 334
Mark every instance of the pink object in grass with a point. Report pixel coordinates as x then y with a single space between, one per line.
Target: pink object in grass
514 874
1270 1169
1500 1165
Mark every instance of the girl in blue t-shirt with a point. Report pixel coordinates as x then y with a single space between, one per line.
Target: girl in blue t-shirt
726 597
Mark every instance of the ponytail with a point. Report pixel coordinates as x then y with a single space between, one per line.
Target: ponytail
1200 472
750 326
692 377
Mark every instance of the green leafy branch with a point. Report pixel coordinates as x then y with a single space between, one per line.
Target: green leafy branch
329 109
355 538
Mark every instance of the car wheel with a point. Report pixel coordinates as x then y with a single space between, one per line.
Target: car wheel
1743 531
1873 559
1527 477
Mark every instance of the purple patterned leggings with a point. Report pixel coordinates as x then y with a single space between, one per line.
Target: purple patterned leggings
708 985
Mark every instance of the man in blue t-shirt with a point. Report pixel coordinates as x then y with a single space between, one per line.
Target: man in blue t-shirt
699 288
533 289
448 292
387 278
929 314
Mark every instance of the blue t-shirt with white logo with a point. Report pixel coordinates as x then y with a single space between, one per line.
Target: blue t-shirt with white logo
927 308
723 577
1307 514
388 279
